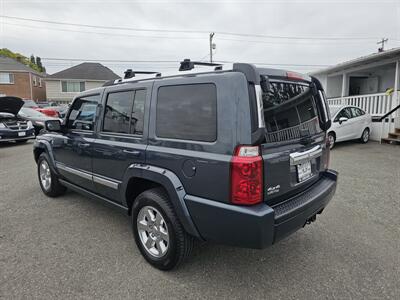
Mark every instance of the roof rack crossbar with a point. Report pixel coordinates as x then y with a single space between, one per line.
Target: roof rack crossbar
187 65
130 73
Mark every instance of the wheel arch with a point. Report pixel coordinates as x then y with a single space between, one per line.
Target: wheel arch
139 178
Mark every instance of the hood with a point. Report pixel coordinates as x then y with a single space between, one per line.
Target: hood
11 104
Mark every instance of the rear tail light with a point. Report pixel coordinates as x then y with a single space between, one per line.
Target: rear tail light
246 176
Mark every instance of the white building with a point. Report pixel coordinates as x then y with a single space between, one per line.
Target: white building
370 82
63 86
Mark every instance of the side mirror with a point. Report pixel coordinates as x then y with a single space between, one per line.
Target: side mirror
52 125
342 119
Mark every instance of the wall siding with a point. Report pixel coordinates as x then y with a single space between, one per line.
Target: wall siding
54 93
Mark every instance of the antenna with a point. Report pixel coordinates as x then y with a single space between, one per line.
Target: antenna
382 42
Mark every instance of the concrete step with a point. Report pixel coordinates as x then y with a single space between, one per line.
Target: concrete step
390 141
394 135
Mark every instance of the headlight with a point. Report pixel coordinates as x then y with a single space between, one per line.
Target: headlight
30 125
2 125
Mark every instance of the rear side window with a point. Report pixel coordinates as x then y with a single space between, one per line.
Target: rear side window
356 112
187 112
83 112
124 112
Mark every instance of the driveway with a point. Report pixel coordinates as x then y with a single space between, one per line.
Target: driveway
73 247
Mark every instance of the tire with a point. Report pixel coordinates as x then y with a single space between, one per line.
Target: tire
332 140
48 180
169 244
365 136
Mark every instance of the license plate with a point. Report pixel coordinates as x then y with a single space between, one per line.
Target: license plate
304 171
21 133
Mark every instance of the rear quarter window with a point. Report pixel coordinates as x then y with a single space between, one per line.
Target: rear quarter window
187 112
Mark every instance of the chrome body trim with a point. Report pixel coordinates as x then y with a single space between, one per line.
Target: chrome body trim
114 184
300 157
109 183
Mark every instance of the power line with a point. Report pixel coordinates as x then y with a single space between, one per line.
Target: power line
187 31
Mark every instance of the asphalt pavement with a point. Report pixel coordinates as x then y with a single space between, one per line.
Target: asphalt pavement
74 247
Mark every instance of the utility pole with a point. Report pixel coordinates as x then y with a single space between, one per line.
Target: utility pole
211 46
382 42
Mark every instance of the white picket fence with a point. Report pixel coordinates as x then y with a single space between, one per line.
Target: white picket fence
374 104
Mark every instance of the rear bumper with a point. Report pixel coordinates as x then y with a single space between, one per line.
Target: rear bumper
12 135
261 225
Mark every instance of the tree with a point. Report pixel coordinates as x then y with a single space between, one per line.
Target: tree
32 58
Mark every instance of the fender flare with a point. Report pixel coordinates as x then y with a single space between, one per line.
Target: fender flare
171 183
46 147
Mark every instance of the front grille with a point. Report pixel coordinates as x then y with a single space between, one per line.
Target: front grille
17 125
292 133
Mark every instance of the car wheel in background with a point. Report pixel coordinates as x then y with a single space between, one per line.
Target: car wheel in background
365 136
331 140
48 180
158 233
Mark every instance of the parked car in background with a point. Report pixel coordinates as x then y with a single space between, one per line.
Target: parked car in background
36 117
237 156
49 111
61 109
12 127
349 123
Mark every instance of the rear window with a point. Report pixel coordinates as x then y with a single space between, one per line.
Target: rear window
289 111
187 112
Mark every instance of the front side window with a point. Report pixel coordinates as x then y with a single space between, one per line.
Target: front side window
72 86
124 112
344 113
187 112
83 112
6 78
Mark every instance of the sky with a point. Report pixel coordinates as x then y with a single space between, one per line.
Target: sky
297 35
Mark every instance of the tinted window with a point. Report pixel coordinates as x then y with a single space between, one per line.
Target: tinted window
117 112
187 112
138 112
83 112
124 112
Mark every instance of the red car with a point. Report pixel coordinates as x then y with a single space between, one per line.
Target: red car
47 111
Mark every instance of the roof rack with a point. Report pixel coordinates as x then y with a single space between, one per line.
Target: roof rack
129 73
187 65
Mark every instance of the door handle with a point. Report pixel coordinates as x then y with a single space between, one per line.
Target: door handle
132 152
83 145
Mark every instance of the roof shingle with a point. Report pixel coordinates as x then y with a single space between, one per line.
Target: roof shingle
93 71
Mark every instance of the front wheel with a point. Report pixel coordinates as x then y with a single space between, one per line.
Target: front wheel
158 233
365 136
48 180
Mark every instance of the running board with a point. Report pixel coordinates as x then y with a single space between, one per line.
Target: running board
93 195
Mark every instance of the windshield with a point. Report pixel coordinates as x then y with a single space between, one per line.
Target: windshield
30 103
289 111
30 113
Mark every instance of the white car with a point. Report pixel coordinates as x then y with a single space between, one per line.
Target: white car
349 123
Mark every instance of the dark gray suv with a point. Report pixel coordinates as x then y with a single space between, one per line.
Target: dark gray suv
233 154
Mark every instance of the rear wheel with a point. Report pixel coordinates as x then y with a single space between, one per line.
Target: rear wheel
331 139
158 233
48 180
365 136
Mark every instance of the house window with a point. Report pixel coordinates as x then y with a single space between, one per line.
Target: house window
72 86
34 80
40 82
6 78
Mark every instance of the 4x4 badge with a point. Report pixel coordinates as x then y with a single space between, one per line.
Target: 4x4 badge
273 189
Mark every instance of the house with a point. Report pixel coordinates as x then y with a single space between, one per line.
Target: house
17 79
62 86
370 82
